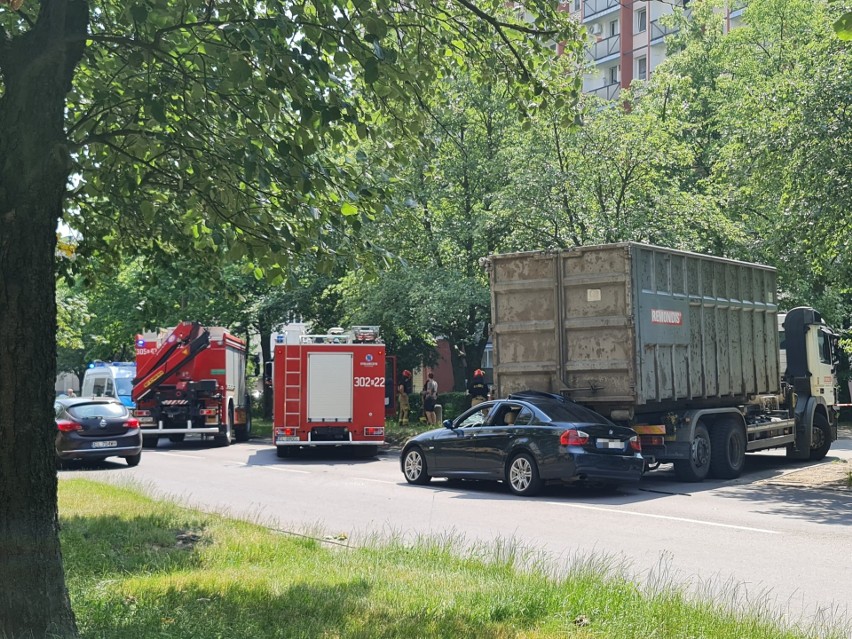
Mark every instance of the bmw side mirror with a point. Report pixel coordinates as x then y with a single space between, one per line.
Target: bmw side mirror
448 424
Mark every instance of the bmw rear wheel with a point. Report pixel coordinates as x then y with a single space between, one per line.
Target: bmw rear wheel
414 467
522 476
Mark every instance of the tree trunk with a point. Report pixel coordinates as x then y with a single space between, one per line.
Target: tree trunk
266 355
37 69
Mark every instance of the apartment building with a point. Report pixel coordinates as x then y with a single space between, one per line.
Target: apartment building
627 39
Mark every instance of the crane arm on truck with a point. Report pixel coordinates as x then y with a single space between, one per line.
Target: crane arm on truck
177 350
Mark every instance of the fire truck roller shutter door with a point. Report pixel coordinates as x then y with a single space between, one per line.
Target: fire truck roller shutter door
330 387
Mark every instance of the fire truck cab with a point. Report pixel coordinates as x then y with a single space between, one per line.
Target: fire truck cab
329 390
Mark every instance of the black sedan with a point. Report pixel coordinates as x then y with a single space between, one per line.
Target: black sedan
94 428
526 440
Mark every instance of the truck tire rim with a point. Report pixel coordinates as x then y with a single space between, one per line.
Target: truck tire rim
413 465
817 438
700 452
520 474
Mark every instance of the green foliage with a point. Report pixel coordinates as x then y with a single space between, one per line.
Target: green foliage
843 26
233 126
762 108
452 404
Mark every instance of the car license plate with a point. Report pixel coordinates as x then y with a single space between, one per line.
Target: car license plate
610 443
106 444
281 439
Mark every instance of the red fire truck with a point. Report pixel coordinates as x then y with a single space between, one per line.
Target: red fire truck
191 380
329 390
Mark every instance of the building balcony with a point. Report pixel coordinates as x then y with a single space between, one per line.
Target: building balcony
594 8
660 31
737 7
604 48
607 92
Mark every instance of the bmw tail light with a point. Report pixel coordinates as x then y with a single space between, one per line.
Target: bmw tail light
132 423
635 444
68 426
574 438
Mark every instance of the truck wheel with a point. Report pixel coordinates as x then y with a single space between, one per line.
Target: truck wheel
365 452
283 451
821 438
150 441
522 476
727 448
243 431
414 467
697 466
177 438
225 438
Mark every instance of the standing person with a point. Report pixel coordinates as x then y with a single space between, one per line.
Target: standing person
71 393
403 390
430 396
478 389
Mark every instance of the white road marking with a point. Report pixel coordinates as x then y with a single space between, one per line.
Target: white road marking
665 517
378 481
278 468
171 454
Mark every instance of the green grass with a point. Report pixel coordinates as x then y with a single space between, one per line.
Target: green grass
261 427
142 568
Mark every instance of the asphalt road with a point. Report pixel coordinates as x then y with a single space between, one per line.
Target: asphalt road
744 541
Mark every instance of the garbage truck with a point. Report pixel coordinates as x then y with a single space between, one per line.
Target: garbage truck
682 347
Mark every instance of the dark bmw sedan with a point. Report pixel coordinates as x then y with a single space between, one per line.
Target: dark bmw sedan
94 428
526 440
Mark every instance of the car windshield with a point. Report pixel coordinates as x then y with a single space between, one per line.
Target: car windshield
569 412
97 409
123 385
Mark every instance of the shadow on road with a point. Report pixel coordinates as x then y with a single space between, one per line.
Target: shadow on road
306 457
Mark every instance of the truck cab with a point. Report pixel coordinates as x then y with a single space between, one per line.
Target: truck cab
110 379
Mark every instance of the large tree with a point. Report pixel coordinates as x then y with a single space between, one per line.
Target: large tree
221 124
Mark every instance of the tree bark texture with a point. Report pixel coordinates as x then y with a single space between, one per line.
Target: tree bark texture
266 356
37 68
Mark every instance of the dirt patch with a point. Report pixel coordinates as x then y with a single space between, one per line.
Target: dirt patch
831 475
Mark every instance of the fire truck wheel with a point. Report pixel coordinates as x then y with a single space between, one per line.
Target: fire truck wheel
283 451
243 432
177 437
150 441
414 467
821 438
225 438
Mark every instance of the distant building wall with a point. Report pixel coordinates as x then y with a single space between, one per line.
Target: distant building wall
66 380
